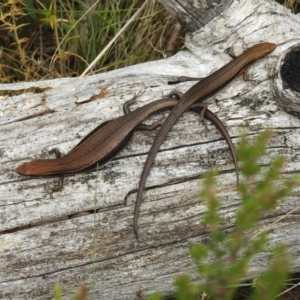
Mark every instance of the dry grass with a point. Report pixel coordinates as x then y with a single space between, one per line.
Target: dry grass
41 42
48 39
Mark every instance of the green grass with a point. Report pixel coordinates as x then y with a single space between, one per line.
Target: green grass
49 39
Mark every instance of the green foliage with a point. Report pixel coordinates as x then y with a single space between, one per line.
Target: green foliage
57 292
185 288
224 260
269 284
155 296
81 293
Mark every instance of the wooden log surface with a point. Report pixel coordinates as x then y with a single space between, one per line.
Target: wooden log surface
49 238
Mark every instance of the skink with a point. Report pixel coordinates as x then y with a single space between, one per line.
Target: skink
199 92
99 145
107 139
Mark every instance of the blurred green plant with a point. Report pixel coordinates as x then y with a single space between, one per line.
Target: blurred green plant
224 260
81 293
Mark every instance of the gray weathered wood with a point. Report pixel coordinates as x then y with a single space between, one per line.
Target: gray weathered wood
195 14
64 232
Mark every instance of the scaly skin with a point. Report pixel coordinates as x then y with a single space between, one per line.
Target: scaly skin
197 93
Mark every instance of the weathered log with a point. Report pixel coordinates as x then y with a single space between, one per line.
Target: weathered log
49 238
